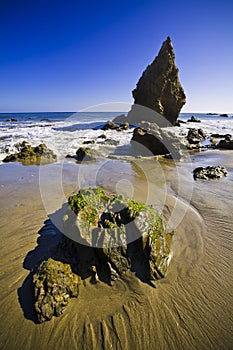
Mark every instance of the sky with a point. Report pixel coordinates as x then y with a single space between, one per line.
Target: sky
69 55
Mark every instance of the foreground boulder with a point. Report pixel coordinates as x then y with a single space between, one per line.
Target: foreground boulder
149 139
210 172
105 235
54 284
32 155
122 233
159 88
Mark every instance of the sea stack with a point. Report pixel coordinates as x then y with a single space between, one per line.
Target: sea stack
159 89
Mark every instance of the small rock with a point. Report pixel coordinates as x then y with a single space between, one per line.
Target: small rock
224 115
210 172
54 284
113 126
193 120
88 142
225 144
85 154
195 136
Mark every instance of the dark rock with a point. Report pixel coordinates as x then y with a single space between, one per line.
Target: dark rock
54 284
193 120
149 139
45 120
11 120
159 88
113 126
195 136
85 154
224 115
211 113
210 172
221 136
88 142
32 155
102 136
225 144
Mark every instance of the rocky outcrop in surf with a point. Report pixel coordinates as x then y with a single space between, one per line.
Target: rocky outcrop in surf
28 155
149 139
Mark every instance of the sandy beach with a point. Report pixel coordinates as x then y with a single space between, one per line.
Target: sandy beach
192 306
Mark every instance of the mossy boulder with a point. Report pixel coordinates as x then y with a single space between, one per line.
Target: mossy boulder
54 284
27 154
122 231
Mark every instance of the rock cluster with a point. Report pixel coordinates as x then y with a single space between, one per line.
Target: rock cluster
149 139
225 144
105 235
54 284
193 120
210 172
110 125
195 137
32 155
159 88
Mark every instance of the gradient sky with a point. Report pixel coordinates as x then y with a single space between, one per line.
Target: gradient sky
66 55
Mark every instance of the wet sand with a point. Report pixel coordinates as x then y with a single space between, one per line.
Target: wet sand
192 306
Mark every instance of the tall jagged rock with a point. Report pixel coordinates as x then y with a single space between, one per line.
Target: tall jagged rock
159 90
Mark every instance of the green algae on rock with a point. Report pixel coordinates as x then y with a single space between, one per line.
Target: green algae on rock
121 228
28 155
54 284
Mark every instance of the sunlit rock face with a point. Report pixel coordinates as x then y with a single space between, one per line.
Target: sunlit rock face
159 88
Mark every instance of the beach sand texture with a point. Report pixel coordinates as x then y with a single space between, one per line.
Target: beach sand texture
192 306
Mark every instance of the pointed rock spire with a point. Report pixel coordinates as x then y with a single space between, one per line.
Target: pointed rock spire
159 87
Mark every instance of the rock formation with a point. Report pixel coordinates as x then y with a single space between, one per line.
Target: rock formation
195 136
159 90
84 154
105 235
113 126
27 154
210 172
149 139
226 144
54 284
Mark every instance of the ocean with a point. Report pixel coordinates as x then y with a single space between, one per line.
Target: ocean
65 132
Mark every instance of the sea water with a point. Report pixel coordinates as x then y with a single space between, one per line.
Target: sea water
65 132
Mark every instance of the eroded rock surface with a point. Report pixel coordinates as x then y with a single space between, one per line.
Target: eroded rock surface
32 155
110 125
54 284
105 235
149 139
159 88
210 172
196 136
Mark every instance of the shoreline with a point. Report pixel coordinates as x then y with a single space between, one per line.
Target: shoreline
190 303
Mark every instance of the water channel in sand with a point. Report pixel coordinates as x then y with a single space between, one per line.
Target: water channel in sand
192 306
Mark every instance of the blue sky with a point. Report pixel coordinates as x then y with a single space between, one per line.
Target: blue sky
68 55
